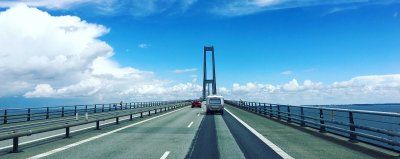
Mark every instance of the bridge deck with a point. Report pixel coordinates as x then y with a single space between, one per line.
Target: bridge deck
188 132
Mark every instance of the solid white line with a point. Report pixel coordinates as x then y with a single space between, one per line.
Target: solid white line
274 147
190 124
57 135
95 137
165 155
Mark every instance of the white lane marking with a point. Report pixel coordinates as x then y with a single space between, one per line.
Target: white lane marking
95 137
198 114
57 135
165 155
190 124
274 147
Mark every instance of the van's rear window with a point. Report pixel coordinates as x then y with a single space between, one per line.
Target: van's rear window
215 101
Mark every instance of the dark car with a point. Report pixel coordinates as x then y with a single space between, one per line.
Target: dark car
196 103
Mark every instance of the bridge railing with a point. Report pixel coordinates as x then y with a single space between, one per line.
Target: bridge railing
15 115
52 118
373 127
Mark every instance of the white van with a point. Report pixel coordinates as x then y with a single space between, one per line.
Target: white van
214 103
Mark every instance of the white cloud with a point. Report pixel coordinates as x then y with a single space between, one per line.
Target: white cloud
51 4
185 70
62 57
136 8
143 46
288 72
362 89
341 9
245 7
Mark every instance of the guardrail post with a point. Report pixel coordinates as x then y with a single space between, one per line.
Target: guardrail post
15 145
289 116
321 120
302 116
75 110
149 113
95 108
102 108
117 120
85 108
62 111
270 111
67 132
279 112
155 111
130 117
109 107
97 125
47 112
353 136
29 115
141 114
130 105
5 116
265 108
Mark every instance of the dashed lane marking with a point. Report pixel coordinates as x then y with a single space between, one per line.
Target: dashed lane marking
190 124
165 155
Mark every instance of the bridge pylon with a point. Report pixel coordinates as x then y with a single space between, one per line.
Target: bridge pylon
208 82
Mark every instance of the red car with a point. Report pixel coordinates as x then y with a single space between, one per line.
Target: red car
196 103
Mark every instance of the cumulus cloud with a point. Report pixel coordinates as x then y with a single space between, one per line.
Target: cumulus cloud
362 89
62 57
185 70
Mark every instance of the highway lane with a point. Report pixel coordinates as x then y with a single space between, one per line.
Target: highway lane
148 140
250 144
185 133
6 145
222 136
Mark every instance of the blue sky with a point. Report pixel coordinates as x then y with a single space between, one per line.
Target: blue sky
261 42
321 42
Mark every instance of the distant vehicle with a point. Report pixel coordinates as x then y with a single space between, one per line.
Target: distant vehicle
215 103
196 103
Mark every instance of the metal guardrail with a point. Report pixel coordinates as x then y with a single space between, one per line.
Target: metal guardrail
15 130
14 115
377 128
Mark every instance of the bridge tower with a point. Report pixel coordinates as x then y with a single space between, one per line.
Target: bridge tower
208 82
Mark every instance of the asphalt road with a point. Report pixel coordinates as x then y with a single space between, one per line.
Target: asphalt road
181 133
